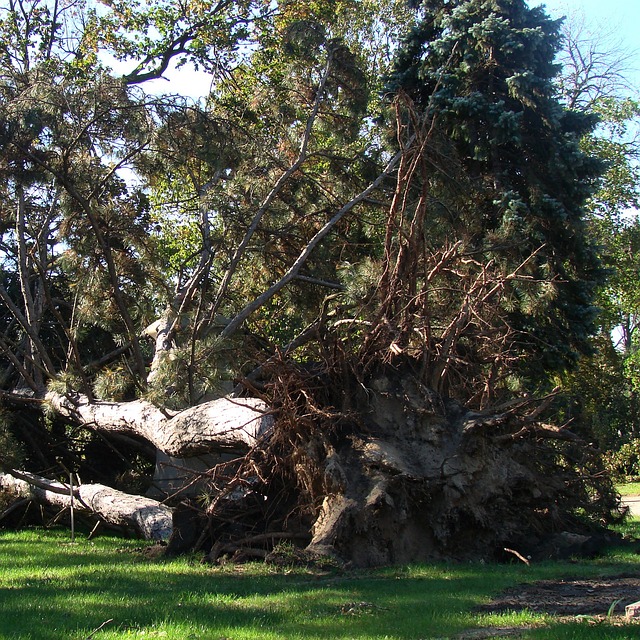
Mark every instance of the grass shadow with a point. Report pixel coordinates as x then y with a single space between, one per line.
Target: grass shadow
50 590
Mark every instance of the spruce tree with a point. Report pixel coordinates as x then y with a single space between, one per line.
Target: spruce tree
503 174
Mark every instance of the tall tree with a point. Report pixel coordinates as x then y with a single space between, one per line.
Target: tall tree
594 80
501 177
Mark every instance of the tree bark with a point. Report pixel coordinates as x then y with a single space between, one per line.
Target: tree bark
225 424
147 518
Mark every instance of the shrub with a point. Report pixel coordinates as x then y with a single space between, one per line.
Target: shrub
624 463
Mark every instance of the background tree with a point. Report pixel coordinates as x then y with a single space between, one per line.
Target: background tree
594 81
503 187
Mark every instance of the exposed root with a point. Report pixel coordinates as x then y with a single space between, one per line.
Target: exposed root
408 476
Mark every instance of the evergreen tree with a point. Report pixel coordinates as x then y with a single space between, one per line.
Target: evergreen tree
502 176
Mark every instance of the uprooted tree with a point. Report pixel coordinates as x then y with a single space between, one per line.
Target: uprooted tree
352 296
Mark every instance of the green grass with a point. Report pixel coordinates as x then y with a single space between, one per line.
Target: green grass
629 489
51 589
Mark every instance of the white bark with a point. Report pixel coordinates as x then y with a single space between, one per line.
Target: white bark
226 424
148 518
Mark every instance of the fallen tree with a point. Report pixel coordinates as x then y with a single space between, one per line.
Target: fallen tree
142 516
408 476
406 415
225 424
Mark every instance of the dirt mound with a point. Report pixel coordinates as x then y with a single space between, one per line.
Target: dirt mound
570 597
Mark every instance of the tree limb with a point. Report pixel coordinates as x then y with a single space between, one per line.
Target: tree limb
306 252
225 424
148 518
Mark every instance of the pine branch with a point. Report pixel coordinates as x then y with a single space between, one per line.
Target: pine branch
306 252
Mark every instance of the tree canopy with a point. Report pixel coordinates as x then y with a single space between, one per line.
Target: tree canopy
506 180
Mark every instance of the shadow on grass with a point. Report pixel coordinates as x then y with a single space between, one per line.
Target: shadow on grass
50 590
60 608
53 591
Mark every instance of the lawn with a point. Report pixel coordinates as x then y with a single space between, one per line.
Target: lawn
108 588
629 489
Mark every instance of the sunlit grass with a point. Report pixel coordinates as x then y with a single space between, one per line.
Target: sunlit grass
629 529
629 489
53 590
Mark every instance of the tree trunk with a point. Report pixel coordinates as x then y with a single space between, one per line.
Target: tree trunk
226 424
427 479
147 518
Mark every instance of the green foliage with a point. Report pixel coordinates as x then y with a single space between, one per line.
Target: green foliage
11 451
65 382
624 463
152 35
132 198
360 279
605 386
113 383
202 369
501 194
599 399
614 143
137 203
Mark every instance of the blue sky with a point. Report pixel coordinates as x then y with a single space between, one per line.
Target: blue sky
618 20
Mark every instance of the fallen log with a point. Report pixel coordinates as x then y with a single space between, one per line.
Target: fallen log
145 517
225 424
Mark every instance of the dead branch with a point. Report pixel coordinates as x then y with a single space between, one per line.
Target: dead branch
102 626
148 518
540 430
519 556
